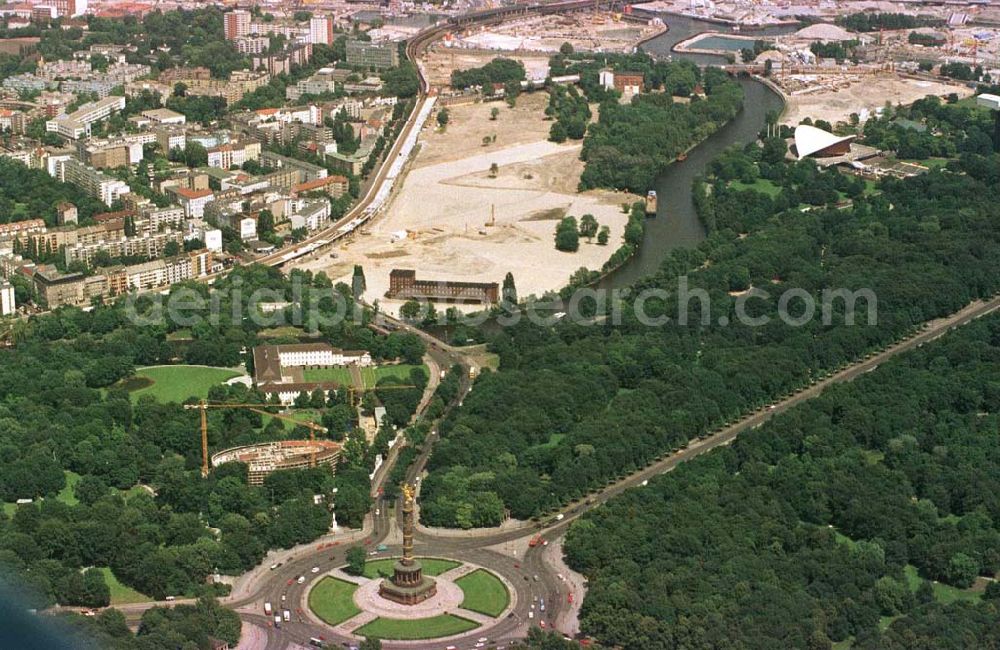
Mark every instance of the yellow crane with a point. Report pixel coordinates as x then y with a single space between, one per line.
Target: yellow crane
204 405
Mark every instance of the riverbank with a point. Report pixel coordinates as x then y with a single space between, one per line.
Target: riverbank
689 45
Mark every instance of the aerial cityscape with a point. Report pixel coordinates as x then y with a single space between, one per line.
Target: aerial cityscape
502 325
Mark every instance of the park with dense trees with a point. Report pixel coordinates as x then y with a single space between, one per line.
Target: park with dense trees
576 405
139 506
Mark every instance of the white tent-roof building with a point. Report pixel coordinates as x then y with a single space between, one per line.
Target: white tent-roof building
810 141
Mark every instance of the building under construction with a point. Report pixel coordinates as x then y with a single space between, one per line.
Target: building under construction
264 458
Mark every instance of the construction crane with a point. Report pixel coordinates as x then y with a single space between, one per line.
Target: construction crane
204 405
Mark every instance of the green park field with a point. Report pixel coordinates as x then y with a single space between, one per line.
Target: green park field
333 600
432 567
484 593
122 594
370 376
177 383
420 628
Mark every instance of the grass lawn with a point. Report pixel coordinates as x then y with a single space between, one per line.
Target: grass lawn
120 594
333 600
177 383
432 566
66 495
339 374
420 628
180 335
286 330
944 594
484 593
400 371
761 185
552 441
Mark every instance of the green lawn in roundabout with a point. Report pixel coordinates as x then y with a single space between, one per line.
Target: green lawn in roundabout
432 566
484 593
333 600
419 628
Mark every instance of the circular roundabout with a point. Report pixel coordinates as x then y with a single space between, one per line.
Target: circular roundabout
452 598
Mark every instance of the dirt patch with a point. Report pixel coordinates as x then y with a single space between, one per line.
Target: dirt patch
440 61
467 220
841 97
132 384
552 214
386 255
470 123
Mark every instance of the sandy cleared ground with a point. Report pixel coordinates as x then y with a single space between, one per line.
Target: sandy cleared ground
449 195
440 61
870 92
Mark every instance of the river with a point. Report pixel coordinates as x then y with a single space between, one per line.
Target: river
676 224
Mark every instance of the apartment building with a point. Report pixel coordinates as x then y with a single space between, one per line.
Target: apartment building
321 30
252 44
311 214
193 201
164 116
92 181
7 303
309 171
232 154
77 124
151 245
283 62
171 137
372 55
152 220
158 273
55 288
236 24
335 186
325 80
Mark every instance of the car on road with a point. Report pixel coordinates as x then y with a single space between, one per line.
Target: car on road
277 621
542 623
315 569
287 615
301 579
381 547
536 577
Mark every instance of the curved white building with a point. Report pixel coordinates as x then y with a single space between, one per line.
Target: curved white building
810 141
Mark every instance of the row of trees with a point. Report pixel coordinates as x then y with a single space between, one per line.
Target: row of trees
873 22
497 71
809 529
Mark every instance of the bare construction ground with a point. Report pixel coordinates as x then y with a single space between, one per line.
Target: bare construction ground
440 61
839 97
450 196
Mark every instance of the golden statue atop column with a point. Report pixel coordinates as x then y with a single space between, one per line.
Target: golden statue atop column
408 584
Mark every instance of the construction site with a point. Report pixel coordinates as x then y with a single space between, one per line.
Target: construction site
482 199
264 458
883 67
533 39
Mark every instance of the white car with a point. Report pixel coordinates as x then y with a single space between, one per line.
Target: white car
315 569
301 579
